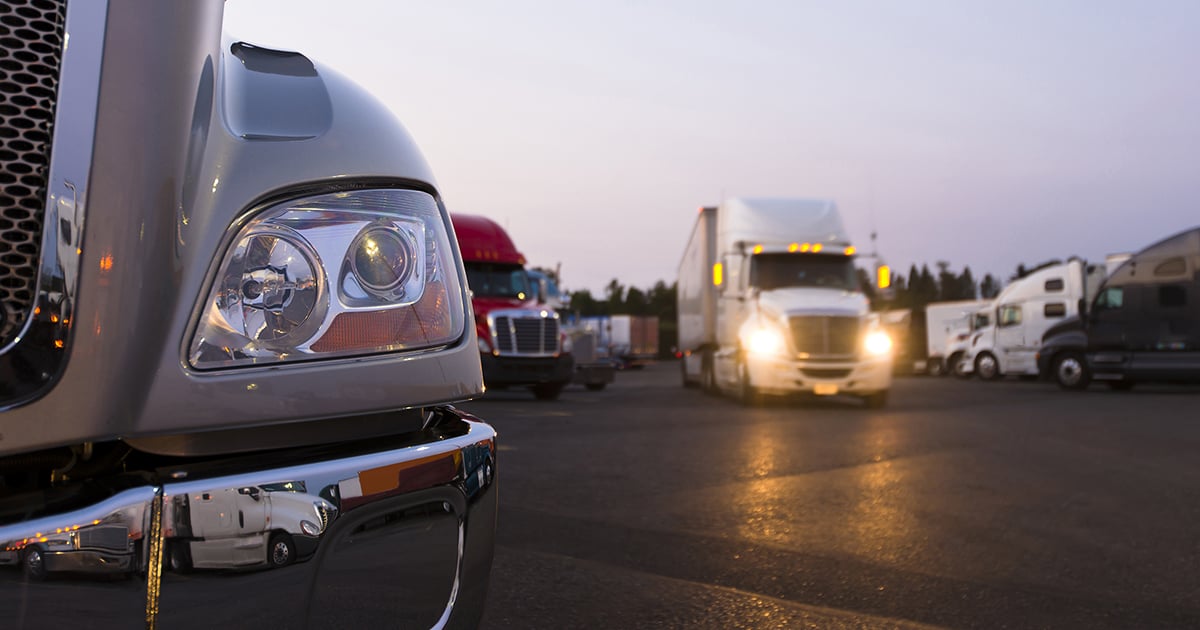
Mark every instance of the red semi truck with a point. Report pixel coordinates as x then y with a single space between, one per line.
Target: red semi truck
520 342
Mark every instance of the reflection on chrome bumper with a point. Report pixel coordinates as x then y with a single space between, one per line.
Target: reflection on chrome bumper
373 535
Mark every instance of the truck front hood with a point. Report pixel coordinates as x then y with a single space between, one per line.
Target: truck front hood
806 300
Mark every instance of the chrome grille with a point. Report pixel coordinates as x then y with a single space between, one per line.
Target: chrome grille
113 537
825 335
526 335
31 36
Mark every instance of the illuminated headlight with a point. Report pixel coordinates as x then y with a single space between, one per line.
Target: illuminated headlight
340 274
766 341
878 343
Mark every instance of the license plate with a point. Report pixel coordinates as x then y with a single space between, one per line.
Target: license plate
825 389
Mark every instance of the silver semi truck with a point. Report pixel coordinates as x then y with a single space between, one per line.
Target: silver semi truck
232 319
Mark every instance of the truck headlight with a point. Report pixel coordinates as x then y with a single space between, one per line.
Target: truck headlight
877 343
340 274
766 341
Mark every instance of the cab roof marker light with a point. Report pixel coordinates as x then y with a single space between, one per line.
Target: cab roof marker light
805 247
758 249
793 248
849 251
817 247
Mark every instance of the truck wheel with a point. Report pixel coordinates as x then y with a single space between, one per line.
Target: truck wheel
281 551
1071 371
34 564
987 367
877 400
547 391
956 366
708 377
748 394
683 374
179 557
595 387
934 366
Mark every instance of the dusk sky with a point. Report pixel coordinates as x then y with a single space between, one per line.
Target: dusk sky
983 134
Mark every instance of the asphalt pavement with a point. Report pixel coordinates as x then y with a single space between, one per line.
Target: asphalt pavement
962 504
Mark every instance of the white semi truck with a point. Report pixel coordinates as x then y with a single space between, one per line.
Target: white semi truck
1022 314
770 303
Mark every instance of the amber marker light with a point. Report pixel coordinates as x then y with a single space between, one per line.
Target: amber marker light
849 251
793 248
717 274
805 247
884 276
758 249
816 247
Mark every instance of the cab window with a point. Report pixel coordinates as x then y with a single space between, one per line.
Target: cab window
1111 299
1009 315
1054 309
1054 285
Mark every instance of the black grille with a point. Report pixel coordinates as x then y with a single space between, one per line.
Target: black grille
526 335
824 335
112 537
826 372
31 34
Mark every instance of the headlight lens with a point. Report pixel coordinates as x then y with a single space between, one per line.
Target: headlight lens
333 275
310 528
766 341
878 343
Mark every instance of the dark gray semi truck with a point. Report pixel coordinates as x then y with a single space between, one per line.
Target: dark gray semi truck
232 319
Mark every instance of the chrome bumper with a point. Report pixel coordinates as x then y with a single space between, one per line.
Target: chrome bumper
405 540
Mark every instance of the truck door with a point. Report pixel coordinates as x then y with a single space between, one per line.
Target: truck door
1113 317
1010 335
214 521
1165 339
253 507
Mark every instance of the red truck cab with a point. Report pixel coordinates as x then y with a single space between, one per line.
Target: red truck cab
520 343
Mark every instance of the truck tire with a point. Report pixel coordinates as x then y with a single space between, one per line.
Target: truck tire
179 557
877 400
1071 371
935 367
547 391
748 394
708 377
33 564
595 387
683 374
955 366
987 367
281 551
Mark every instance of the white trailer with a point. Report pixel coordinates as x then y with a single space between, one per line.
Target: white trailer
770 303
947 327
1022 314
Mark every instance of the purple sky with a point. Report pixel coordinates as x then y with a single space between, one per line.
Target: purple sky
986 134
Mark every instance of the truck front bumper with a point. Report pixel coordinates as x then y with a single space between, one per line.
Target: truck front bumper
410 544
788 376
504 370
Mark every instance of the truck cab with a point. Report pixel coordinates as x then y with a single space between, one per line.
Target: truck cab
784 311
1142 326
521 343
1022 313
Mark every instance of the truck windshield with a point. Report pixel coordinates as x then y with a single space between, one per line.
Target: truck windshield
504 281
777 271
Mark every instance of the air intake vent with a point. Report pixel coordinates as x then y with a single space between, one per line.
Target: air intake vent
823 335
31 44
526 336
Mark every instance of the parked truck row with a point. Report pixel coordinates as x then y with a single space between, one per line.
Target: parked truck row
1073 322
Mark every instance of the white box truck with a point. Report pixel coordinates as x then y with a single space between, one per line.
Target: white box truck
770 303
1023 312
947 327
